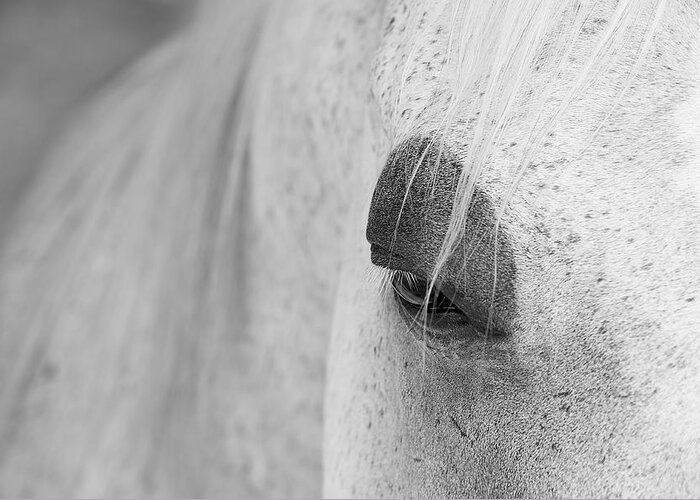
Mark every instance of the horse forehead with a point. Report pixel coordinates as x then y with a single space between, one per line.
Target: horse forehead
644 157
410 56
410 70
411 88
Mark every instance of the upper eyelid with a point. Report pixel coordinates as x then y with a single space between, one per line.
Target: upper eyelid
435 291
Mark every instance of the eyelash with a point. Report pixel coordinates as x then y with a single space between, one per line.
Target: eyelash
411 292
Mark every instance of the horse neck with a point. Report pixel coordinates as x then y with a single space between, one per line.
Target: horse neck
119 264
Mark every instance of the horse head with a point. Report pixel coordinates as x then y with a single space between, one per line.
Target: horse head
528 325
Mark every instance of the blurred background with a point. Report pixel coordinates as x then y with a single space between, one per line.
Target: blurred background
54 54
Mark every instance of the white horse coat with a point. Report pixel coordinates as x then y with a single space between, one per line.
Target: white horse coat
188 303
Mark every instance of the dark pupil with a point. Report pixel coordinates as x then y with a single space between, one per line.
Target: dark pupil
412 290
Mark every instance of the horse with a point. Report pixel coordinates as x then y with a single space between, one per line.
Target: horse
402 248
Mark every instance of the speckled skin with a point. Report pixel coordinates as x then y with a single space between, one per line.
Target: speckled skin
593 391
173 327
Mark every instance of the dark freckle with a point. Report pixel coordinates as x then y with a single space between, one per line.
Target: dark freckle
459 428
600 279
513 144
690 299
562 394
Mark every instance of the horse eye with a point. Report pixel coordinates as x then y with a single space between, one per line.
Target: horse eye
412 293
